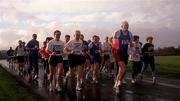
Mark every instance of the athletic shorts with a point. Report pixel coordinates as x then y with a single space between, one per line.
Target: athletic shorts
65 64
75 60
121 56
96 59
87 57
54 60
106 57
20 59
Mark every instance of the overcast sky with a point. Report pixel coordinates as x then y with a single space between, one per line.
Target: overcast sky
19 19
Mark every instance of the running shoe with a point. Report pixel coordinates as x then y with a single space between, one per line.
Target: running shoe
78 87
35 77
58 88
154 80
124 81
133 81
50 87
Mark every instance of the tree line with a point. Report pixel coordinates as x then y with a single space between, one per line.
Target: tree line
167 51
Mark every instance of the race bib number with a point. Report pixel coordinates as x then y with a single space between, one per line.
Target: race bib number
97 51
77 48
58 49
124 42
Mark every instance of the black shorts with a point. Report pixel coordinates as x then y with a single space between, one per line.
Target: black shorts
75 60
20 59
106 57
123 55
96 59
54 60
87 57
65 64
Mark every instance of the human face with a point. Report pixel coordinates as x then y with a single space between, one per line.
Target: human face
20 42
136 41
150 41
124 26
111 39
106 39
67 38
57 36
77 35
82 37
34 36
95 39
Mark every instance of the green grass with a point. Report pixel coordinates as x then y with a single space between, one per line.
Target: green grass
11 90
165 65
168 65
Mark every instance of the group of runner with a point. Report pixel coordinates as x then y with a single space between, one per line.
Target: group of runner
84 59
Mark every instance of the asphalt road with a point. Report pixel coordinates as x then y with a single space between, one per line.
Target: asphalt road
164 90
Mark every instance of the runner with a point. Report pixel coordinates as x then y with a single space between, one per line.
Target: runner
112 59
106 50
10 54
86 65
65 57
55 49
95 48
20 53
45 57
122 38
33 49
148 56
75 58
134 50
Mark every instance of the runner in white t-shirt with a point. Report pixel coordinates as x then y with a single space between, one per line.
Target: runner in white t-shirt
106 50
20 53
134 51
55 49
75 58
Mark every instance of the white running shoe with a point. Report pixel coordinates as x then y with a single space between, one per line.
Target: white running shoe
78 87
133 81
115 84
50 87
95 82
117 90
124 81
154 80
35 77
58 88
87 76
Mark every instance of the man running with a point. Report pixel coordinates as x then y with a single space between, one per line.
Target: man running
95 48
33 48
10 54
122 38
20 53
65 57
112 59
86 63
74 47
106 50
55 49
134 51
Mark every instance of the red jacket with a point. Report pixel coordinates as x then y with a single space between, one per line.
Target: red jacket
43 52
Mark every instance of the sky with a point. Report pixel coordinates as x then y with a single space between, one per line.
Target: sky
19 19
